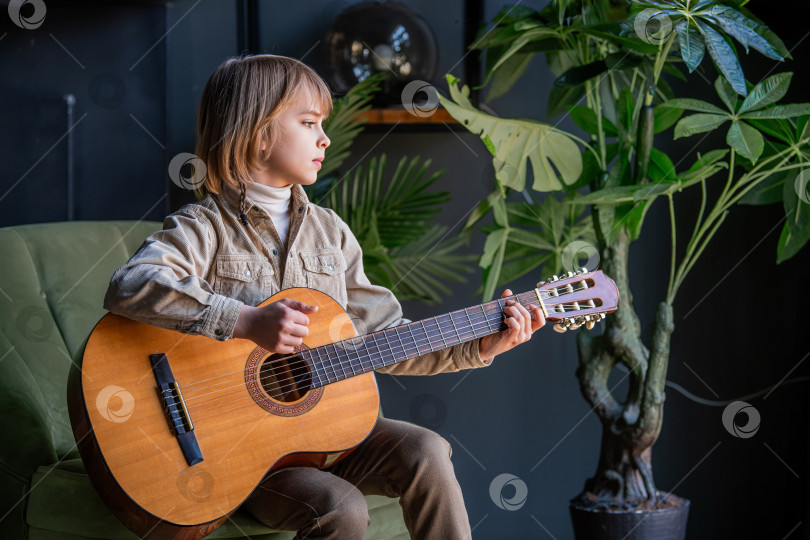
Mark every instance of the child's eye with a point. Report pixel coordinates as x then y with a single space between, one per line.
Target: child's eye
309 124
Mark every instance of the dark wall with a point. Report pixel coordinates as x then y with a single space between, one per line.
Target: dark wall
137 71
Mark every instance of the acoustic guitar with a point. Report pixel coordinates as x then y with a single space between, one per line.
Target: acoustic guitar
177 430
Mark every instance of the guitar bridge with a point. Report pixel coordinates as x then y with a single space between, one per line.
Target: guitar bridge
175 408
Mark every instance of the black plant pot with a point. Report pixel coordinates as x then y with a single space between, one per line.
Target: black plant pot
600 524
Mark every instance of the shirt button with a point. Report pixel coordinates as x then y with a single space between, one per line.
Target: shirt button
330 267
300 209
218 332
275 252
247 273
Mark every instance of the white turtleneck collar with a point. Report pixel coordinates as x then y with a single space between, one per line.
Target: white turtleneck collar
275 201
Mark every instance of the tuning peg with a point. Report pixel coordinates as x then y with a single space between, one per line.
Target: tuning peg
583 271
570 274
560 328
590 324
554 278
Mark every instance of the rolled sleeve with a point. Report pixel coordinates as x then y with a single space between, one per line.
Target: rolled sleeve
164 284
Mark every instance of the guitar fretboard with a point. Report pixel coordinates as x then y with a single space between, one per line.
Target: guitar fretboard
343 359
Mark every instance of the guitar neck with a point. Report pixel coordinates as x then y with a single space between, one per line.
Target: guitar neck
343 359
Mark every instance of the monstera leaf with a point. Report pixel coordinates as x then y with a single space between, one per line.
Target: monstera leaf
554 156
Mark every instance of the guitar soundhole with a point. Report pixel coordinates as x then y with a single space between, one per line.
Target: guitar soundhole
285 378
281 384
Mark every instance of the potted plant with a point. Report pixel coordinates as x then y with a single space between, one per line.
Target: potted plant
610 58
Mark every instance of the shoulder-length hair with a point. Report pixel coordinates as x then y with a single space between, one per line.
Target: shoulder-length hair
239 109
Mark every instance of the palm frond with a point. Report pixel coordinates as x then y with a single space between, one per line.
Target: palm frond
343 126
402 249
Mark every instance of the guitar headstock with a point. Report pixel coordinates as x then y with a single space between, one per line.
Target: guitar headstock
578 298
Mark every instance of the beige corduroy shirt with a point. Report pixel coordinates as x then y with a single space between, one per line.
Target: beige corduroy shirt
195 275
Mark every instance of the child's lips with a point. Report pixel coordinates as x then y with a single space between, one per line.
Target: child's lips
318 162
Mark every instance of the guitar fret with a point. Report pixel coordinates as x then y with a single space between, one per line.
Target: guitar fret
377 344
454 327
390 347
441 334
469 320
486 318
410 330
427 336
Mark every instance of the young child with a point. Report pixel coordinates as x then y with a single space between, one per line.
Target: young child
260 135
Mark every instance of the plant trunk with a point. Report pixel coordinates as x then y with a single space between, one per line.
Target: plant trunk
624 476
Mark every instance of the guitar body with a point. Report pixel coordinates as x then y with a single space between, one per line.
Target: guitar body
246 420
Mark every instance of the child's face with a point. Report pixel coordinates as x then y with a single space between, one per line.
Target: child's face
299 149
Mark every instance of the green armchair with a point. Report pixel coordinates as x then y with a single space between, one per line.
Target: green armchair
52 283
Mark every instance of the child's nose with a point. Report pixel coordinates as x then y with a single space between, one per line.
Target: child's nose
324 141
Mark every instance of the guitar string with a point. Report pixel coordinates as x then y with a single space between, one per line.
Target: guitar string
531 294
283 387
341 364
441 325
370 349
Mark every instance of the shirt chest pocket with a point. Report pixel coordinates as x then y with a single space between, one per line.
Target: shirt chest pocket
246 278
325 270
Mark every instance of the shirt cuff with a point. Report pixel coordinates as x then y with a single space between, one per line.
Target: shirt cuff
466 355
222 316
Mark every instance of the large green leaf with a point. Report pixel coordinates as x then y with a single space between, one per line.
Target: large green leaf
554 156
691 105
664 118
741 28
724 57
768 91
796 231
747 141
691 43
780 111
585 118
726 93
768 191
698 123
506 77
